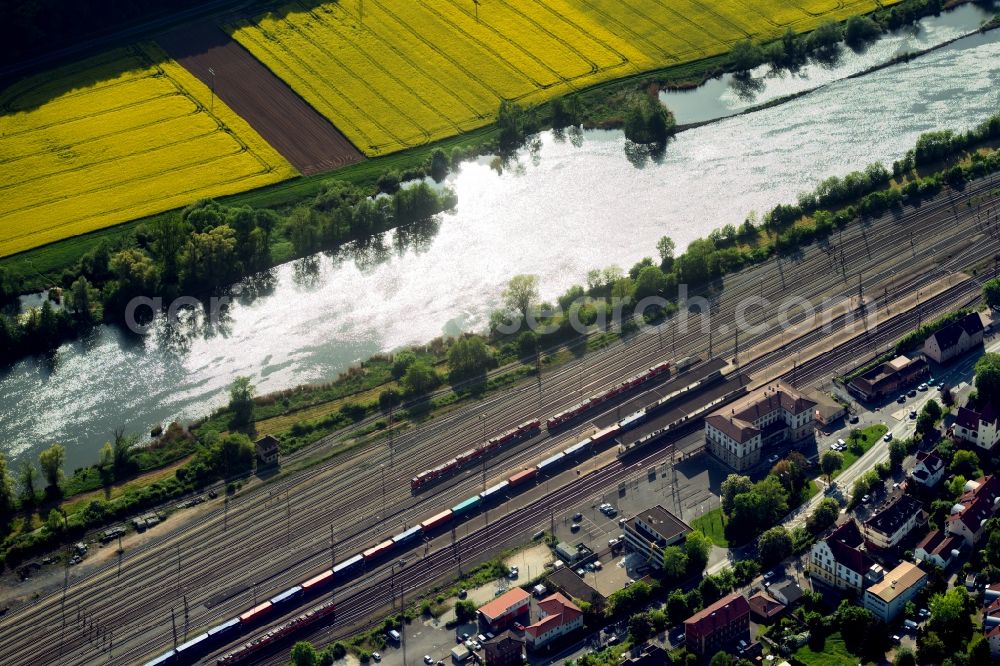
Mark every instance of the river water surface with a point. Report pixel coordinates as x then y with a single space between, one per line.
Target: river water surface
579 201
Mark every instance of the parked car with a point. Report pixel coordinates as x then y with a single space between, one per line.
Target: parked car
514 573
773 459
901 399
519 626
768 575
581 572
922 387
427 659
575 527
853 418
913 413
376 656
912 393
887 437
577 517
866 499
463 593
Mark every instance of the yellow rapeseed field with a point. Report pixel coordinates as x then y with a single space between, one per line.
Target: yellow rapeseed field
118 136
393 74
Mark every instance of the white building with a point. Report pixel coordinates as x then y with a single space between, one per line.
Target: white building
890 525
739 432
977 428
887 598
977 505
938 548
929 469
955 339
839 560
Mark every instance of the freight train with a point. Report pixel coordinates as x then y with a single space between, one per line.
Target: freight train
594 401
192 650
466 458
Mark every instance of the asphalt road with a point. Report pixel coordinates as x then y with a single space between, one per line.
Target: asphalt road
279 534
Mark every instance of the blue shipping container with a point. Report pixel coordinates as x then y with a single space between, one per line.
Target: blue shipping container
408 535
493 490
192 644
549 462
287 595
164 658
347 565
224 628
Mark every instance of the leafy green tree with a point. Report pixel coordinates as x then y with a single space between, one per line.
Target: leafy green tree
241 395
51 460
745 55
979 650
678 608
439 165
774 545
511 120
304 654
675 561
860 30
830 462
28 478
897 453
744 571
721 658
136 273
235 455
210 258
465 611
697 547
966 463
469 358
825 39
123 449
950 613
521 294
666 247
420 378
400 362
107 465
991 292
904 657
733 485
988 379
650 282
640 628
823 516
8 501
79 300
388 399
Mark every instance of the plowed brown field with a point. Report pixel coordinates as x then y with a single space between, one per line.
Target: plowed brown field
306 139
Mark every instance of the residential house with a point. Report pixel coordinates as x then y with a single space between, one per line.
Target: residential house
504 650
786 590
929 469
558 616
954 339
570 583
991 614
939 548
976 505
267 449
764 608
888 378
977 428
890 524
993 636
500 613
652 530
887 598
718 626
840 559
738 433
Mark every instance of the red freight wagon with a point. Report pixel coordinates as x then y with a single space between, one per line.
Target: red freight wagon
523 476
378 551
437 521
318 582
255 613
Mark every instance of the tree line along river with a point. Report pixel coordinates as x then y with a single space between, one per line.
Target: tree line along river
580 200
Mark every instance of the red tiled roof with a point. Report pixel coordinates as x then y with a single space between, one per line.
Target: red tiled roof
938 542
558 611
502 604
995 631
723 612
765 606
734 429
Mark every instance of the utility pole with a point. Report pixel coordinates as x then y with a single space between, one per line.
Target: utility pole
538 370
402 622
211 108
288 516
185 617
173 624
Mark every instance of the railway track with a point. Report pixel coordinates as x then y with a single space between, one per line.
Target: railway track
271 521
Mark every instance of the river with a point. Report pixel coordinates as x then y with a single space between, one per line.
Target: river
576 202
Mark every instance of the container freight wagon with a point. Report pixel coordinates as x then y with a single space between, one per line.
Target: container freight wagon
277 634
317 583
286 597
437 521
599 399
551 463
224 630
255 614
407 536
378 551
348 567
523 476
467 506
494 492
